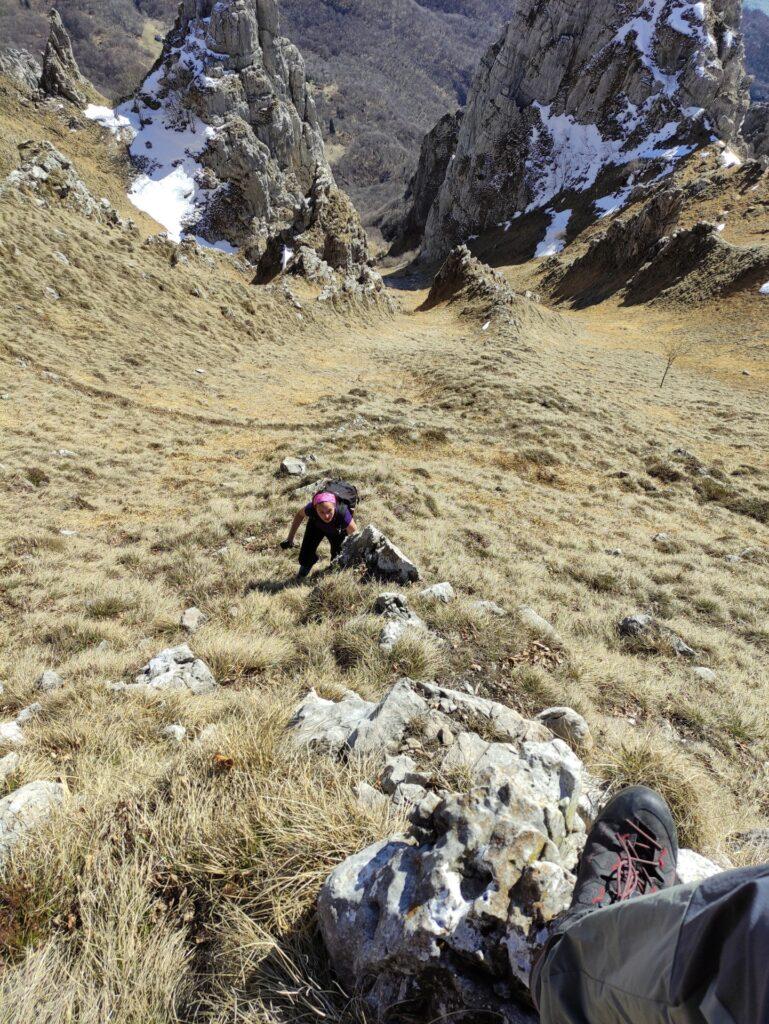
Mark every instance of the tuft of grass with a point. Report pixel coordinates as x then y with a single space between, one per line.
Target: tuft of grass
648 761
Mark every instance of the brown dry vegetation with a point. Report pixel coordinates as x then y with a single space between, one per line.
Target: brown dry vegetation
178 882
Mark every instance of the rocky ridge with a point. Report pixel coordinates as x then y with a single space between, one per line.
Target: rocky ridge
573 92
47 176
228 146
21 67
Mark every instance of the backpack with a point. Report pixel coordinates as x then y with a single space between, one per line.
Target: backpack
345 492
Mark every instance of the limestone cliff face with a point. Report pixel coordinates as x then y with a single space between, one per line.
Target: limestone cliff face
404 223
574 87
227 138
755 129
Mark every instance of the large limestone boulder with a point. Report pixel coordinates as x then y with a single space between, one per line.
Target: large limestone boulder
575 94
60 75
327 725
381 557
450 916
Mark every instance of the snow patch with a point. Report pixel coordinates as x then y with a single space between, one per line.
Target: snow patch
607 205
730 159
688 19
108 118
555 236
221 246
570 155
169 140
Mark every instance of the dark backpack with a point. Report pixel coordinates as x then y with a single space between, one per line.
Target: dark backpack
345 492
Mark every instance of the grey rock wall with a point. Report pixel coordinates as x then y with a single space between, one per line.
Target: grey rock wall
572 88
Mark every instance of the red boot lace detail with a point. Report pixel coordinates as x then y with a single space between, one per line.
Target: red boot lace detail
639 868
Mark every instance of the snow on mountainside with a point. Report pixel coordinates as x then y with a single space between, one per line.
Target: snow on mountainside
168 138
224 134
574 90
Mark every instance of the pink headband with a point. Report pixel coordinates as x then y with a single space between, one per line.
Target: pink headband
323 497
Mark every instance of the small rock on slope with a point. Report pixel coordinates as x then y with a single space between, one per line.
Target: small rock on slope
49 681
292 467
177 668
12 731
570 726
443 592
400 619
646 629
25 809
192 619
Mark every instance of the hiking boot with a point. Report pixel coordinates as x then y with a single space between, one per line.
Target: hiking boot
631 851
304 572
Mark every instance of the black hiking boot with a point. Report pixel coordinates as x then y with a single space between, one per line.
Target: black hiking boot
631 851
304 572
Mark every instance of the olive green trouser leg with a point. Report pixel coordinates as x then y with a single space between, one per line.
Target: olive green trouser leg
616 964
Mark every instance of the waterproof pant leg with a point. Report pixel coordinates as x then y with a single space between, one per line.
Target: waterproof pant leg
693 954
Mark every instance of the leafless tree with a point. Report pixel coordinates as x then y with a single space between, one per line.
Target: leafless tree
673 350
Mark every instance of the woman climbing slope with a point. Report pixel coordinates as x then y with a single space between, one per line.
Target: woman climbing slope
327 515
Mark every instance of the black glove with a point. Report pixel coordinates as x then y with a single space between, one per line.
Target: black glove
286 544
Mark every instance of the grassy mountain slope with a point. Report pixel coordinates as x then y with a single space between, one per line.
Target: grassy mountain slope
145 411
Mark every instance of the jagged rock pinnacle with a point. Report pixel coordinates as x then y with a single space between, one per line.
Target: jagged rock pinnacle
61 76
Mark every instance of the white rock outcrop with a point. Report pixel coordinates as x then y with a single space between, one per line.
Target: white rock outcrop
380 556
448 917
451 914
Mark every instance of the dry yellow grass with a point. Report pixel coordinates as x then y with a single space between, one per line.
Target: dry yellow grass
178 882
